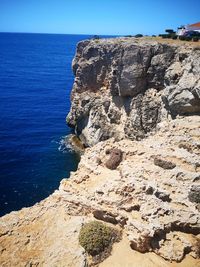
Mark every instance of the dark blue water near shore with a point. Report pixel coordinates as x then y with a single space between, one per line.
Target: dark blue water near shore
35 85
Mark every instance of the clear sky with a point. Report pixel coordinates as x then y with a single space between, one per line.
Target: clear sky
96 17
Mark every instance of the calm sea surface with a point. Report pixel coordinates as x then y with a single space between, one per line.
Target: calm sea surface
35 84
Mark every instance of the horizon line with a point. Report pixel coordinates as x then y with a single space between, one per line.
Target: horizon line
63 33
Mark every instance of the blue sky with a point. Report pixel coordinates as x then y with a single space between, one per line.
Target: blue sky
96 17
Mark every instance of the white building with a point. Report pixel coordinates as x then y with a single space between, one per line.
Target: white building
188 28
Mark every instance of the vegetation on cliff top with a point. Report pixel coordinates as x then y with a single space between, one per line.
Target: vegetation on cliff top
97 239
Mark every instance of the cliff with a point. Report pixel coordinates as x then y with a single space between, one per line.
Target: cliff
136 105
124 87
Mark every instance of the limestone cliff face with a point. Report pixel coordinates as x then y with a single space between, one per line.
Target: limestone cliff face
124 87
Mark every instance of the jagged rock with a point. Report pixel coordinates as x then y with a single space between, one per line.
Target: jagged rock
125 87
178 244
165 164
183 96
105 216
194 194
163 196
74 142
130 208
141 245
149 190
115 159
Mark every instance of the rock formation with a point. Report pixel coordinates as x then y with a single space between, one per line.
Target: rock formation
148 187
124 87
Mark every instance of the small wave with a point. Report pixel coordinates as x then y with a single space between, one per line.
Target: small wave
64 144
55 141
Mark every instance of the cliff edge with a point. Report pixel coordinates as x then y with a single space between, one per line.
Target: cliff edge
135 103
124 87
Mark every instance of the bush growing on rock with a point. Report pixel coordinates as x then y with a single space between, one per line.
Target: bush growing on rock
95 237
115 158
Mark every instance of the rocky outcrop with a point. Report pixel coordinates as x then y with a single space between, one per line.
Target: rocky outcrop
124 87
157 205
156 208
115 158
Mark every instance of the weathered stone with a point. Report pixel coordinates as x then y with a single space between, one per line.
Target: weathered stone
115 159
194 194
177 243
39 236
149 190
142 243
165 164
105 216
163 196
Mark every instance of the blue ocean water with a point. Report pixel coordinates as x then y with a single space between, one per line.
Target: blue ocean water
35 84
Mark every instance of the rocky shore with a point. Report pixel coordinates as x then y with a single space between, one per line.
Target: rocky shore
135 107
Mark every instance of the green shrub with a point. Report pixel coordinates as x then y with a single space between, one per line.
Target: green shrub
169 31
174 37
185 38
138 35
182 38
95 237
188 38
165 36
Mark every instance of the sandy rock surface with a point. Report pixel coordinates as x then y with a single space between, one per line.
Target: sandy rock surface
43 235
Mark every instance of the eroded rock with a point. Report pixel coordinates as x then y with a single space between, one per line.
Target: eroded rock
194 194
105 216
115 159
124 88
165 164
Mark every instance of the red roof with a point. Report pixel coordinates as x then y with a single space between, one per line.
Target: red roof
195 25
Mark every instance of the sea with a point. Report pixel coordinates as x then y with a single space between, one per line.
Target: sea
35 84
